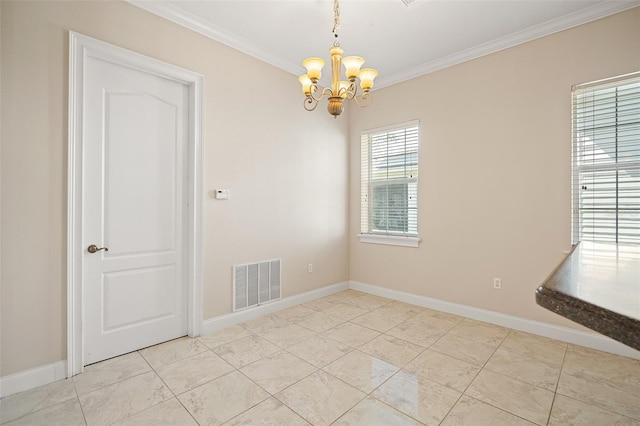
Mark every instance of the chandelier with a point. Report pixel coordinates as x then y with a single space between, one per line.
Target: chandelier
340 89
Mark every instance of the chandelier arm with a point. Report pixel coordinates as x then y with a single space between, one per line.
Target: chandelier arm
310 103
364 100
326 92
352 91
312 98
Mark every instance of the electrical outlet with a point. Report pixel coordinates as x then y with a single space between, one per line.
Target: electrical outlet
497 283
311 267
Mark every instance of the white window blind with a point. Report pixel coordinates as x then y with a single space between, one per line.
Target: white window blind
389 181
606 161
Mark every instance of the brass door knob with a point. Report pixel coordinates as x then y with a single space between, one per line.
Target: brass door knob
93 248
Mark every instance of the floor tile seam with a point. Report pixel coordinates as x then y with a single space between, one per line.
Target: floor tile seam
75 390
416 356
187 410
594 403
275 396
427 346
286 387
48 407
488 368
462 337
333 375
398 408
532 357
150 408
481 340
451 408
564 358
509 377
191 355
296 343
502 409
364 307
609 410
513 378
370 394
178 395
352 323
273 354
181 359
592 375
438 329
443 384
269 395
553 403
618 381
114 382
330 328
512 413
339 379
102 388
369 328
226 422
393 408
185 359
348 384
308 362
211 348
141 411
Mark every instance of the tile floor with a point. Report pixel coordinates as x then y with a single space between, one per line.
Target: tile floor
347 359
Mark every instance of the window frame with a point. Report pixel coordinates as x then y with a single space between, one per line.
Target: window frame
582 170
387 237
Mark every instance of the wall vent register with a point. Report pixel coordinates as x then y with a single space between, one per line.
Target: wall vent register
255 284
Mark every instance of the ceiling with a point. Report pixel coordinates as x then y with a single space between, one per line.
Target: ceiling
402 39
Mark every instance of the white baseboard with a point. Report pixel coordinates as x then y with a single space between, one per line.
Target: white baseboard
218 323
569 335
34 377
28 379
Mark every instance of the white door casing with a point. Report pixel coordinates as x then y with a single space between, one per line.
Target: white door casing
135 181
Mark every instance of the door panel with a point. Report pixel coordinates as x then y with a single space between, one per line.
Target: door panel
122 289
135 189
141 154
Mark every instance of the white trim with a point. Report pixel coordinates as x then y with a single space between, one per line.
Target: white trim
80 47
28 379
32 378
601 10
390 127
577 337
391 240
171 12
214 324
584 16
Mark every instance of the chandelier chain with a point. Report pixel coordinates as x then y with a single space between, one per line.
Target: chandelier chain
336 21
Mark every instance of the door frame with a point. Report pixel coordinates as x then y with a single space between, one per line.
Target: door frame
80 48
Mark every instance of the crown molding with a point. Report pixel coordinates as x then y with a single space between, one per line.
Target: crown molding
598 11
169 11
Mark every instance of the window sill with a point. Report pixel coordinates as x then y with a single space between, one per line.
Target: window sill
391 240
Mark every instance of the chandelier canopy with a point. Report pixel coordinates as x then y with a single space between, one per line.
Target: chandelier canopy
340 89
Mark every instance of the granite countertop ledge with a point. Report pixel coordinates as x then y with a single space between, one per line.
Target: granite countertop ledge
598 286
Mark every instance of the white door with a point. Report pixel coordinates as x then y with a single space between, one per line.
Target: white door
135 203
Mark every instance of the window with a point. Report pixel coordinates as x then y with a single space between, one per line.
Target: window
606 161
389 185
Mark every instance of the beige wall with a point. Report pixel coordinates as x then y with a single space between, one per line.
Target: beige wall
494 178
287 169
494 184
